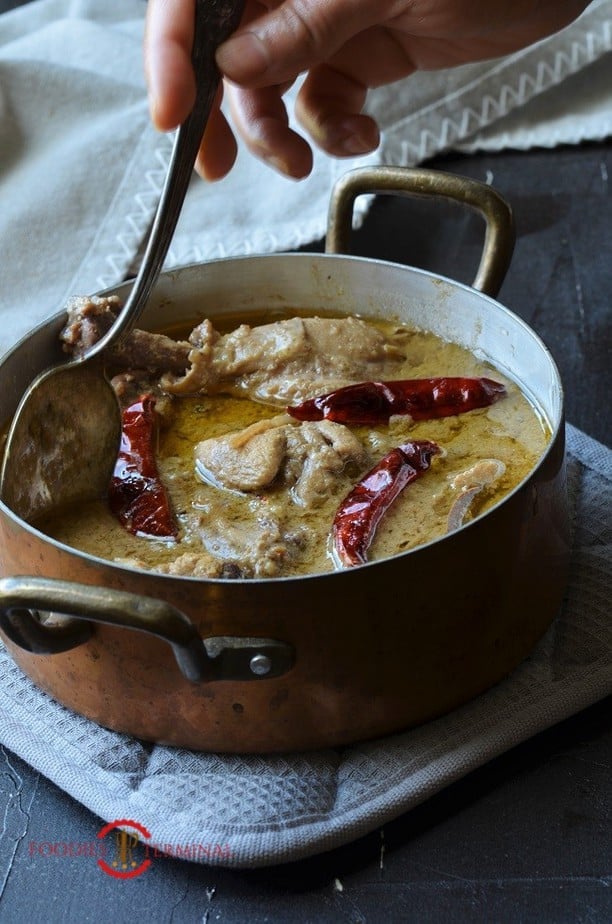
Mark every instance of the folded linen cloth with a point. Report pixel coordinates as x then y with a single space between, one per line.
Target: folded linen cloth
81 167
252 811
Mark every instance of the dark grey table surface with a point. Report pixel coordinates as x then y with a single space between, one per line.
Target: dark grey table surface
528 837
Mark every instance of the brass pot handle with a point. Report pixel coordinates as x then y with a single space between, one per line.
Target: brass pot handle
215 658
415 181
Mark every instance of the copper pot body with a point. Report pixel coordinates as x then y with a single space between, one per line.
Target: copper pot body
377 648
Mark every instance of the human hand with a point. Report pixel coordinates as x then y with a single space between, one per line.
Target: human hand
344 48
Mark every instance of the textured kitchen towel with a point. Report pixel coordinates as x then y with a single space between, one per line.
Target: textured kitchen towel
261 810
81 167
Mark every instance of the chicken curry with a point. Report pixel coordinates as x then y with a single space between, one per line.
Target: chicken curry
296 446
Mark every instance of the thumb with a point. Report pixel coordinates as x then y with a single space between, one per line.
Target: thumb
292 38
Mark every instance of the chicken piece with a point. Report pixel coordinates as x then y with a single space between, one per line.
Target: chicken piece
286 361
470 483
130 386
257 548
203 564
309 457
90 318
481 473
316 456
246 460
87 321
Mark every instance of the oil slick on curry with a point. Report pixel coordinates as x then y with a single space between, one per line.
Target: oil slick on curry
297 446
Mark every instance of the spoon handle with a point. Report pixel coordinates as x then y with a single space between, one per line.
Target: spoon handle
215 20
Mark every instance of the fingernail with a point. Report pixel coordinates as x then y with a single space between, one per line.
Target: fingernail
243 55
281 166
275 162
347 137
356 144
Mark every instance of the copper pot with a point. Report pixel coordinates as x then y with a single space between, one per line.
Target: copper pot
325 660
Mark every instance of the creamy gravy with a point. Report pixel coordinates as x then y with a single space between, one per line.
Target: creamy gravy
510 431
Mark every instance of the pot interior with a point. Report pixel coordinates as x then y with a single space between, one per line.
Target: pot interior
281 284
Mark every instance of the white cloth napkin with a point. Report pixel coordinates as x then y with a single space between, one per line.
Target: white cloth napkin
249 811
81 167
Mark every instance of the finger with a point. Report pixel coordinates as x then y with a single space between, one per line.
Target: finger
329 107
218 150
295 36
261 120
167 49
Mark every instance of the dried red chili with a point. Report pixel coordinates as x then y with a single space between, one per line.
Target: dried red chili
137 496
360 512
423 399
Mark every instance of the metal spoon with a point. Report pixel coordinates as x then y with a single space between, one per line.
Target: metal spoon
64 438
